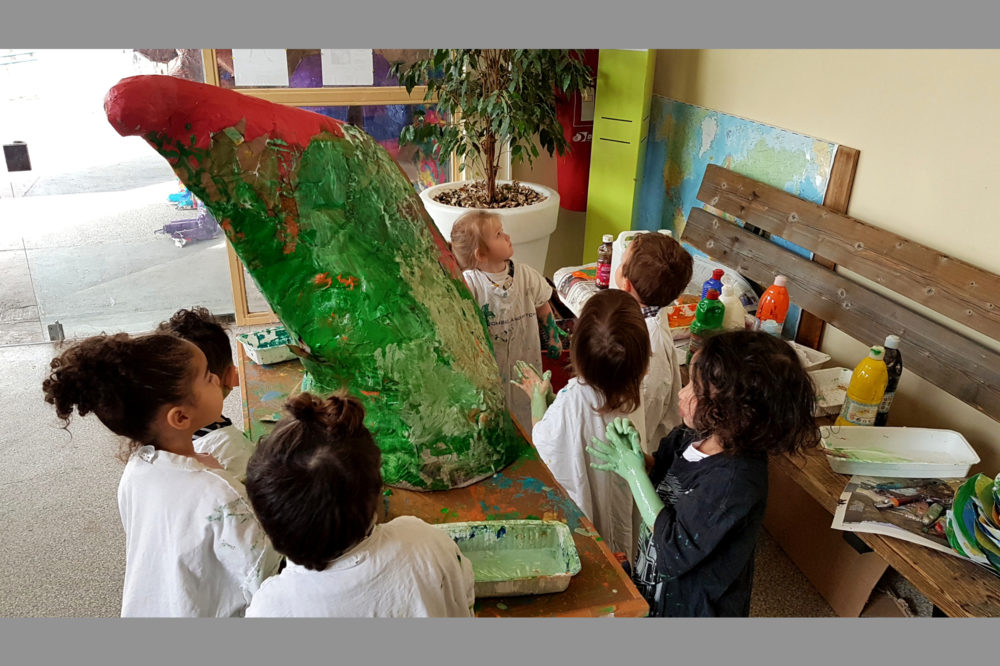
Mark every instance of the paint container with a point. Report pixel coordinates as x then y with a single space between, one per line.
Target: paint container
517 557
269 345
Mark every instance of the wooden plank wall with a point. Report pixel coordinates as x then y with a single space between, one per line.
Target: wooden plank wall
961 366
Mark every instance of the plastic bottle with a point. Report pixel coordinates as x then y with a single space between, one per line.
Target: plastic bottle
773 308
864 393
894 364
714 282
735 316
707 321
604 261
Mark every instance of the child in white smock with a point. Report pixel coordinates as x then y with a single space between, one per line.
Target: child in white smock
610 353
514 299
193 547
316 484
655 270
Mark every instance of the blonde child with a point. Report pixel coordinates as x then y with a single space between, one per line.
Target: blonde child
220 439
703 493
609 354
514 299
655 270
193 547
316 482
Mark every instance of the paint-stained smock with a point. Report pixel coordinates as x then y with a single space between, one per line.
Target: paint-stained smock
662 383
513 324
404 568
227 444
561 438
698 560
193 547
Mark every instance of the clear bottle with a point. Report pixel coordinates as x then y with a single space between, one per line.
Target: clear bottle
735 316
714 282
707 321
604 253
894 364
773 307
864 393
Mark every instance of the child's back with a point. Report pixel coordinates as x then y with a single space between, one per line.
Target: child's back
340 563
405 568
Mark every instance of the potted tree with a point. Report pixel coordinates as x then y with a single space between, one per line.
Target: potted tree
488 99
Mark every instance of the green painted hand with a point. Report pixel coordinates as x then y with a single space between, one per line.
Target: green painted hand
537 386
622 454
555 335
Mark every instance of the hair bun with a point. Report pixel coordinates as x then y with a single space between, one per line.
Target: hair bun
341 413
305 407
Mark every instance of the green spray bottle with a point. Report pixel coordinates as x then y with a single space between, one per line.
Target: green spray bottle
707 322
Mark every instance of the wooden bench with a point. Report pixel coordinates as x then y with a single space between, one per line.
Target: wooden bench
954 362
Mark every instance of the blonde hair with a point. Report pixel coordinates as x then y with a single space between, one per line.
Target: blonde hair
468 235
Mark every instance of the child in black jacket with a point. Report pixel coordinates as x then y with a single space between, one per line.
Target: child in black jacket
702 494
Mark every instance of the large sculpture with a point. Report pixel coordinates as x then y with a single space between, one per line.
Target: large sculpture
340 246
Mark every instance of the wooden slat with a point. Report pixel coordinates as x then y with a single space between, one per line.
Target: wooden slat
947 285
838 195
962 367
956 586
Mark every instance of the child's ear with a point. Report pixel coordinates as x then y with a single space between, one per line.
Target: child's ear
178 418
230 378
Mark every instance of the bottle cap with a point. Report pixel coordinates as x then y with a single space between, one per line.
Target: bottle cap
892 342
876 352
712 295
608 238
780 280
717 273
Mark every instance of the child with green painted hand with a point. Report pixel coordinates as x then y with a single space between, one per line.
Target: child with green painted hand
703 499
610 355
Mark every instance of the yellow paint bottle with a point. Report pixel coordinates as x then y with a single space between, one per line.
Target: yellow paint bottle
864 393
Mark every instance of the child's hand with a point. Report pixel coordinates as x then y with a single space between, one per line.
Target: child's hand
529 381
554 335
623 455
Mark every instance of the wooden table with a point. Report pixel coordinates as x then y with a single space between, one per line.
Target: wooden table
523 490
956 586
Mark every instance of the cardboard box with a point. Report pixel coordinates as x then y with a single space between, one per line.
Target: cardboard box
801 526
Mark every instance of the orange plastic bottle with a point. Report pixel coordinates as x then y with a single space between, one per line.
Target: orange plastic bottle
864 393
773 307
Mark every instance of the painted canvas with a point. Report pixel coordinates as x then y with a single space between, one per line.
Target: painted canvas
333 234
684 139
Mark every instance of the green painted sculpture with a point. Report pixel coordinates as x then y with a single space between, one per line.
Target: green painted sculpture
340 246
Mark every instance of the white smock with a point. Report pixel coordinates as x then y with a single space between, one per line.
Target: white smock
193 547
561 438
513 325
228 445
404 568
662 383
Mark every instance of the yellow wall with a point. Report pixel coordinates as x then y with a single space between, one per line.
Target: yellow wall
925 123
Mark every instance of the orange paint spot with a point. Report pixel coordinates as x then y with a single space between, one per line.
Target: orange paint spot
323 280
370 394
350 282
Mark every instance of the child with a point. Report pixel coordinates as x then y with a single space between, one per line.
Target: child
703 501
315 482
610 354
513 299
192 545
655 270
221 439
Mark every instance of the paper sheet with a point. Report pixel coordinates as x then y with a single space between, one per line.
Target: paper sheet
260 67
347 67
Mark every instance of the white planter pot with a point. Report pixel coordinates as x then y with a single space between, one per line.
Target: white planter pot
529 227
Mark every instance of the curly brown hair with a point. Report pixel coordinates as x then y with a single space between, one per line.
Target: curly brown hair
123 380
753 393
314 482
200 326
610 348
658 267
468 234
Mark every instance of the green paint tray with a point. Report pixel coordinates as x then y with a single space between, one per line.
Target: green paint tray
266 346
517 557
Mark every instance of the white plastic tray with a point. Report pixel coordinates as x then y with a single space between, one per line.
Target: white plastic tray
917 453
809 357
831 389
